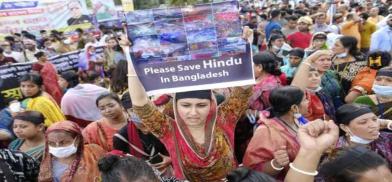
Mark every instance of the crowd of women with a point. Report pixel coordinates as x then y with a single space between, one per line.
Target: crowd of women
318 111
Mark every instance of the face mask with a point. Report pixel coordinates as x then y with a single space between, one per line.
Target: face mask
358 140
382 90
63 152
275 47
341 55
300 118
315 90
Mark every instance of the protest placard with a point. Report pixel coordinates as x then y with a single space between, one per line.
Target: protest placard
10 74
191 48
36 15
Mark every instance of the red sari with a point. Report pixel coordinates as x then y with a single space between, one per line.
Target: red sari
49 76
210 161
268 138
100 133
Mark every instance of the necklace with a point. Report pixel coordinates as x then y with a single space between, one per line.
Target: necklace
293 129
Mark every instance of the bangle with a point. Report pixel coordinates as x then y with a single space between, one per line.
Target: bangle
389 125
276 168
314 173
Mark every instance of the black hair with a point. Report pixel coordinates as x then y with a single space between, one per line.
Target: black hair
79 30
88 76
350 164
108 95
274 13
385 59
118 82
9 39
364 16
71 77
243 174
117 47
292 18
42 31
297 52
34 117
350 43
268 62
282 98
33 77
116 168
39 54
273 37
263 16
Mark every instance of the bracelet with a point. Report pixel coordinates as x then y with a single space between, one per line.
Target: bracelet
276 168
389 125
315 173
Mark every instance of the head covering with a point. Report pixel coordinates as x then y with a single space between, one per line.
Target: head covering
198 94
306 20
348 112
320 35
387 71
46 164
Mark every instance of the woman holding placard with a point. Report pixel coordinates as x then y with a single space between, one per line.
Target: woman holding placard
200 137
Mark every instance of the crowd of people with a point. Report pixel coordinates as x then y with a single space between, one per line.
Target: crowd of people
320 108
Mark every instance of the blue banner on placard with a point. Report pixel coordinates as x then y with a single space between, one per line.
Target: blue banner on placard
18 5
181 49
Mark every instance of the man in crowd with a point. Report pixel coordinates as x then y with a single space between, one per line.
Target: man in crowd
5 60
381 40
301 38
273 24
319 25
374 15
351 27
8 52
368 28
291 26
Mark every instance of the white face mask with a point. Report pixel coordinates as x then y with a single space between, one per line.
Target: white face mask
275 47
341 55
63 152
358 140
382 90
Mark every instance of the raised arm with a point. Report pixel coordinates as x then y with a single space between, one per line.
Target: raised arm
153 120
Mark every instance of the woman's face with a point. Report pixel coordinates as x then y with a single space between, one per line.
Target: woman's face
381 173
318 43
62 83
314 79
383 81
338 47
303 106
29 88
26 129
112 43
193 111
110 108
365 126
278 42
61 139
257 69
323 63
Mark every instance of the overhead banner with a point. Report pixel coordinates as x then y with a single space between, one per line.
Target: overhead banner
193 48
104 10
10 74
36 15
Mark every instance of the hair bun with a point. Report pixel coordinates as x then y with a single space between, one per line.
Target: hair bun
106 163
